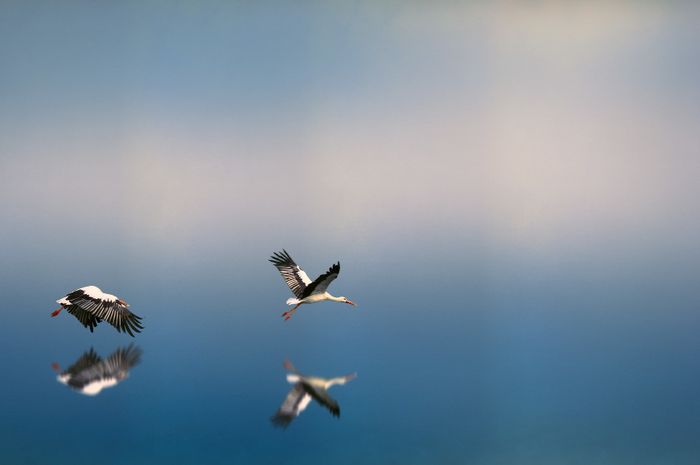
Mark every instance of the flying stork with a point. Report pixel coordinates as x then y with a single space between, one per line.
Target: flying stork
90 374
90 306
305 290
306 388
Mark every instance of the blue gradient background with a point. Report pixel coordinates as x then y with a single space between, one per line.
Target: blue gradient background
511 189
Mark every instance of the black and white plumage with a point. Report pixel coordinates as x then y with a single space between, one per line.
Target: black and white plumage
304 389
90 374
90 306
305 290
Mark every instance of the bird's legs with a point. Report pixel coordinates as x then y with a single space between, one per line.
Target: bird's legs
57 311
288 314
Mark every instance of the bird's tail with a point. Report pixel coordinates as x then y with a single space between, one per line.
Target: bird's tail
293 301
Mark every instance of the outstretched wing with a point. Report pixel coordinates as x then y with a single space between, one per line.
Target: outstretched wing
122 360
87 360
111 311
108 371
86 318
295 277
321 396
320 284
296 401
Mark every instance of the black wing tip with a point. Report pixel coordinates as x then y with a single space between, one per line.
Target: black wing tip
129 326
132 329
334 409
131 354
281 258
281 421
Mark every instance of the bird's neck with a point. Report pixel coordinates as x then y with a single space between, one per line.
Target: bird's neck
334 298
334 381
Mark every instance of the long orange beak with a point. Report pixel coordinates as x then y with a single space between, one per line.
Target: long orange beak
351 303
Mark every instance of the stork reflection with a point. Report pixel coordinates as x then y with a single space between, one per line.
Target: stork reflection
306 388
90 374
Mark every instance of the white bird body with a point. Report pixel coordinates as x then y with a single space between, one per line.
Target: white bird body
305 290
93 292
315 298
94 387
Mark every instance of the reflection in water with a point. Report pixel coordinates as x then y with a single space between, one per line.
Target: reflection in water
90 373
306 388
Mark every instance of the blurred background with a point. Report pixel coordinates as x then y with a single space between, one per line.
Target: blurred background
511 189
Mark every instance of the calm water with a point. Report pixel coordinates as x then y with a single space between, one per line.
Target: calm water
474 362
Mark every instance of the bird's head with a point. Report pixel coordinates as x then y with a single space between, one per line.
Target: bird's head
122 303
345 300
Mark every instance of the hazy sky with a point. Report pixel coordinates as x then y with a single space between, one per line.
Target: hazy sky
535 126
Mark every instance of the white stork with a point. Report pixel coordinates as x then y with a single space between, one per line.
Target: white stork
90 374
306 388
90 306
305 290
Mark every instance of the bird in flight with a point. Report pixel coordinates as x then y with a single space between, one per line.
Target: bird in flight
90 373
90 306
306 388
305 291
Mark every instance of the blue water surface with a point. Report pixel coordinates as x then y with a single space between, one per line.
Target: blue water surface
454 366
